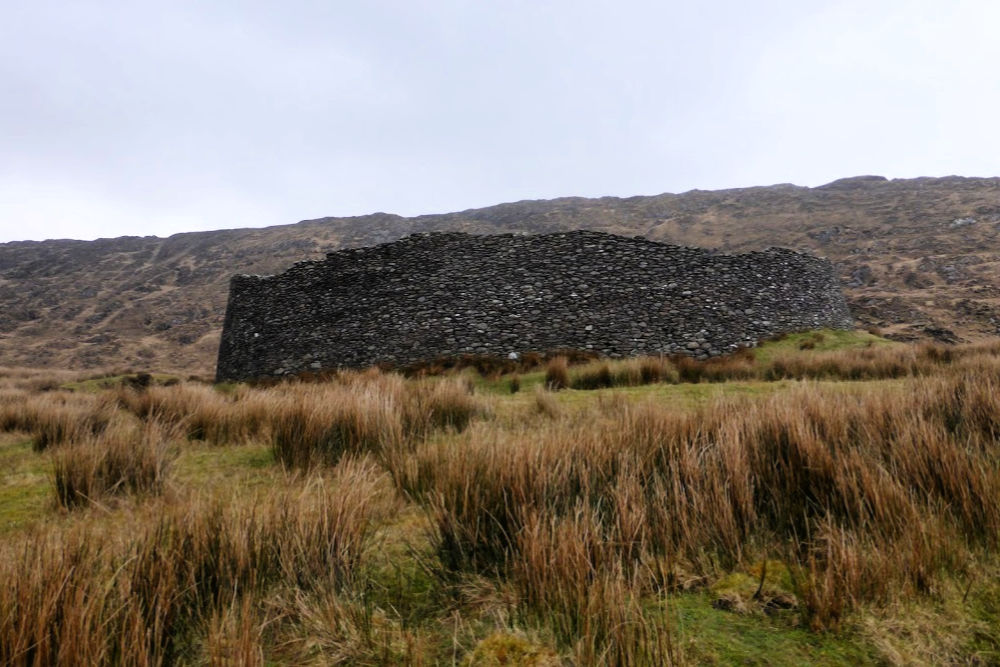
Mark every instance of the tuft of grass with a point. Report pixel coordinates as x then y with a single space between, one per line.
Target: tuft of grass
547 404
380 414
592 376
125 459
317 424
445 404
54 417
557 374
235 635
656 369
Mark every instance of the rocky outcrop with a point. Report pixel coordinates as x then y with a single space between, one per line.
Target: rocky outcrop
452 293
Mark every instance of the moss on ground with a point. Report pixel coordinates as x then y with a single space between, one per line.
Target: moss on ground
710 636
509 648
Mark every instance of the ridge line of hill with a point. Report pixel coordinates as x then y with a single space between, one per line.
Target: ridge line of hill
916 256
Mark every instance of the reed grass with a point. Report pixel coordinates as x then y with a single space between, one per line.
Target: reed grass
125 459
582 530
380 414
836 474
53 418
80 598
557 374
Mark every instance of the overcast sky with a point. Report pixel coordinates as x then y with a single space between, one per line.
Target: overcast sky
155 117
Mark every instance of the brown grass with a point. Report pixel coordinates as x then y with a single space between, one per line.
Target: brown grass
380 414
547 404
314 424
655 369
581 529
592 376
310 422
443 404
851 364
82 599
576 575
125 459
557 374
36 379
53 418
200 411
489 365
837 474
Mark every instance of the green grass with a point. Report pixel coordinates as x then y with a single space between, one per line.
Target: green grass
25 492
201 464
687 395
822 340
26 475
398 573
777 579
709 636
684 393
501 385
984 606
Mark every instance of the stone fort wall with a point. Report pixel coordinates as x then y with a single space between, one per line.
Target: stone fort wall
437 294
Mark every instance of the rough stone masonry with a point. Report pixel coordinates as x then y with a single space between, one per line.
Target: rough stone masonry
429 295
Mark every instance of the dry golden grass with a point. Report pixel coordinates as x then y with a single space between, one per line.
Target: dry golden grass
557 374
235 636
126 458
200 411
866 496
546 404
580 524
80 598
35 379
53 418
379 414
313 424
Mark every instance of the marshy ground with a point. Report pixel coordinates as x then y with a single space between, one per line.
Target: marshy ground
830 498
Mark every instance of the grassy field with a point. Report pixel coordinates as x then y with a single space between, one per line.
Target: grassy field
829 498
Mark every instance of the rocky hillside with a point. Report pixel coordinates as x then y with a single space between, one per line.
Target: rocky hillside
918 258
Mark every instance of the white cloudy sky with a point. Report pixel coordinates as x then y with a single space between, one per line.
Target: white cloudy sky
160 116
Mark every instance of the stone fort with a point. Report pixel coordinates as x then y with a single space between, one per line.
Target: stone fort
449 293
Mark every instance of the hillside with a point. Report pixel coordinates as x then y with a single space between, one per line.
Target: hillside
917 257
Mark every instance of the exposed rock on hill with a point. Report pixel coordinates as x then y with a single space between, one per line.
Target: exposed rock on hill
917 257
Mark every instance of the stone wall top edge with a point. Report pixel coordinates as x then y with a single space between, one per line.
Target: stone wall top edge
417 237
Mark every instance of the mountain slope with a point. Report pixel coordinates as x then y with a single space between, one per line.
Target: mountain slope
917 257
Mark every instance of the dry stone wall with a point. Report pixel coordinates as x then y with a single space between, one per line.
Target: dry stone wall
437 294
